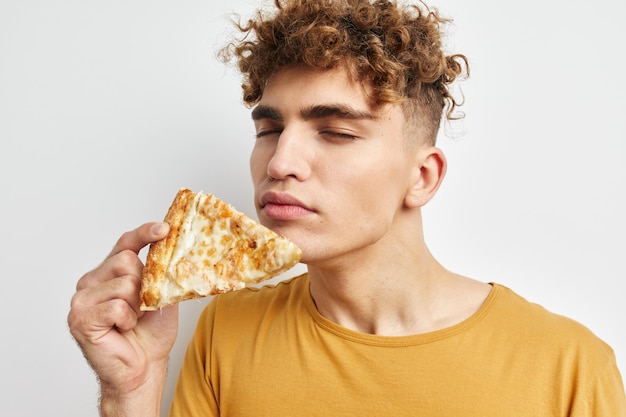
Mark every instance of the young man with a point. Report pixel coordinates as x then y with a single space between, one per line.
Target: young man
347 97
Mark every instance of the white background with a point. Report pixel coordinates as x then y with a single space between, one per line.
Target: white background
108 107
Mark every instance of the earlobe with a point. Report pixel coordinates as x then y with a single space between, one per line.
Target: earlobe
430 169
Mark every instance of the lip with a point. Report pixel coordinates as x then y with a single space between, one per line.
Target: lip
282 206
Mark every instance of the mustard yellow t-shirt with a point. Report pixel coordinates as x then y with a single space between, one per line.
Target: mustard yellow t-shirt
268 352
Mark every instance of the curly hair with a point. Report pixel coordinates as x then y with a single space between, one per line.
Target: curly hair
397 50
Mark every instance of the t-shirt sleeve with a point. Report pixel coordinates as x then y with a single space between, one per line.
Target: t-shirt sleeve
194 394
605 395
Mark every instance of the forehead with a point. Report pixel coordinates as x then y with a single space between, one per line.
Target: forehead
309 91
311 84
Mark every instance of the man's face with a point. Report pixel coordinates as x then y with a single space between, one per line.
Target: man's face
330 170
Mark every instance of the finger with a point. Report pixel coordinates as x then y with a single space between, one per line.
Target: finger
124 288
137 239
91 324
121 264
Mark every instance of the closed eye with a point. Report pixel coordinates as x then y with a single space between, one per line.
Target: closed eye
268 132
338 135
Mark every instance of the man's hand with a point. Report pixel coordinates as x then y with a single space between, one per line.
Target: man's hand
126 347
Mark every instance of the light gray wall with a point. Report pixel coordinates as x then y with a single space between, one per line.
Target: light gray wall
107 107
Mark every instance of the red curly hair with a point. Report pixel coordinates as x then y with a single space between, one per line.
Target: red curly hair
396 49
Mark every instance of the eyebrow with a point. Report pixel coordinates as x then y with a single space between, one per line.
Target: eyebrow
319 111
266 112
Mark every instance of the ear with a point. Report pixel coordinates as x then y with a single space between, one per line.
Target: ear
430 169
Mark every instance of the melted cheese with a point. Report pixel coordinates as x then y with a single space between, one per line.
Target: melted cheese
219 250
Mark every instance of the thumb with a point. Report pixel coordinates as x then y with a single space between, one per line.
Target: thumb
159 328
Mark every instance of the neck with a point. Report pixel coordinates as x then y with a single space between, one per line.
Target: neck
394 287
384 297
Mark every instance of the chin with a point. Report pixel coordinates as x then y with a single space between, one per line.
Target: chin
293 234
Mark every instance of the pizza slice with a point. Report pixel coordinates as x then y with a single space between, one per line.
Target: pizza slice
211 248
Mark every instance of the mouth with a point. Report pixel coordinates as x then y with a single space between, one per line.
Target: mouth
282 206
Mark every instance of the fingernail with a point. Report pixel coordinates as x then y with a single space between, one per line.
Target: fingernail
158 228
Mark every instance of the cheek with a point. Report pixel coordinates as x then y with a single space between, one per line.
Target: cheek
258 166
376 179
369 197
377 192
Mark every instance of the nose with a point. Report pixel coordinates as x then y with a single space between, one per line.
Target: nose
290 157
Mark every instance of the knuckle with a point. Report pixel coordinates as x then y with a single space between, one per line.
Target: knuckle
83 281
75 302
127 258
115 308
75 321
126 237
125 263
121 314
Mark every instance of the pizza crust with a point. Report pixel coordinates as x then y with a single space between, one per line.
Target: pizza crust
160 252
